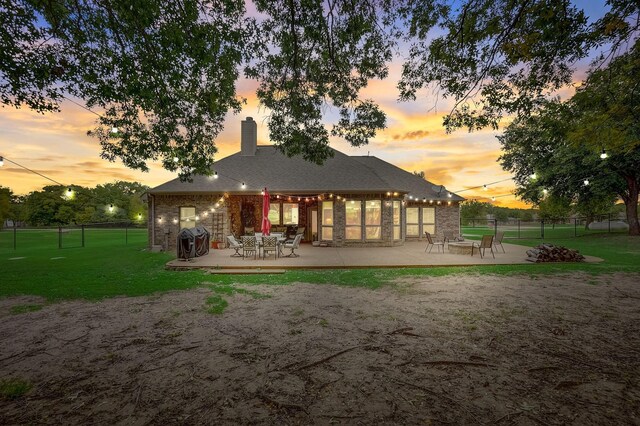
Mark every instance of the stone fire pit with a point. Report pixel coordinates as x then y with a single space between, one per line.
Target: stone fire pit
462 247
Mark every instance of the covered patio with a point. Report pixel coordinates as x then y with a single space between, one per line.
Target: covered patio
411 254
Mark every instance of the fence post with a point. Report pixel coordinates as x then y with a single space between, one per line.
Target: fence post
542 228
83 235
609 222
518 228
59 237
495 226
15 234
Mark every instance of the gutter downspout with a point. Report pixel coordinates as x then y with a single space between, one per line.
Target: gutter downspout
152 217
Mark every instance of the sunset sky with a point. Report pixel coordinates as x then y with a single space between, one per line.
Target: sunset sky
56 144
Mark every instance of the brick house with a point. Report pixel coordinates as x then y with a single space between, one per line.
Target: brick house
348 201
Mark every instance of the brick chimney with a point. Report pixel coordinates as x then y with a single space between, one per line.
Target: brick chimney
248 137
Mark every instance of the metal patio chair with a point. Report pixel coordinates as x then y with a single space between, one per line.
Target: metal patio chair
485 243
431 243
234 244
497 241
249 246
295 244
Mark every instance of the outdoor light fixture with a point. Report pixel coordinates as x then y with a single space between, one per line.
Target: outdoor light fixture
388 194
586 182
1 161
197 217
438 202
111 208
114 130
603 154
395 194
430 201
411 197
449 203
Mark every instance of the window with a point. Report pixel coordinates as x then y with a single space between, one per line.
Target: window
327 221
373 219
274 213
290 214
396 220
413 222
429 220
187 217
353 230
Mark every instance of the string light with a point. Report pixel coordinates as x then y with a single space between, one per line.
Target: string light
139 216
533 176
449 195
111 208
586 182
243 185
175 159
114 130
603 154
159 219
1 161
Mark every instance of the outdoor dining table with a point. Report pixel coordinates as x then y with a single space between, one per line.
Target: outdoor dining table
281 241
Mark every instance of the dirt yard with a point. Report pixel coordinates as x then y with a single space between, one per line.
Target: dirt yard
451 350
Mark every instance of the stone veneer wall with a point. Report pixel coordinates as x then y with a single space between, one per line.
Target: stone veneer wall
167 212
447 219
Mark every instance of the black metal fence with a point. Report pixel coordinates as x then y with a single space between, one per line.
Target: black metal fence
73 236
546 228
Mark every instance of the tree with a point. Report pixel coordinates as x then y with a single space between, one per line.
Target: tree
554 208
5 204
472 210
420 174
164 73
551 151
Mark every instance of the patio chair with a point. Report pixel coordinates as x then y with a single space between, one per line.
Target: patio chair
248 230
451 236
269 244
497 241
295 244
234 244
249 246
431 243
300 231
485 243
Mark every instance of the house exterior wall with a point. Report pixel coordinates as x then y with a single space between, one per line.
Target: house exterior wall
165 227
164 214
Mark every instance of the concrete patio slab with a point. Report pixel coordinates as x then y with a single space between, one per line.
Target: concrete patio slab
411 255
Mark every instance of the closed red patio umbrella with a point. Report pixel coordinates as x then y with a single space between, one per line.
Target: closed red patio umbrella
266 205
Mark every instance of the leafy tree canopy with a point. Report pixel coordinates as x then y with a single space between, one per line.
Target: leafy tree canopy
164 72
119 201
558 149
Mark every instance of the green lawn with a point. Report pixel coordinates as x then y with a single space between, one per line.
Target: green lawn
108 267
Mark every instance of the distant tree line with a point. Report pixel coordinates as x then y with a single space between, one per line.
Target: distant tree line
53 205
550 209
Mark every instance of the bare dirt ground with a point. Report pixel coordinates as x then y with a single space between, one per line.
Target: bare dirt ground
450 350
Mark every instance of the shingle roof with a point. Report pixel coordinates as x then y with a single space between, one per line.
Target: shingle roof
414 185
279 173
